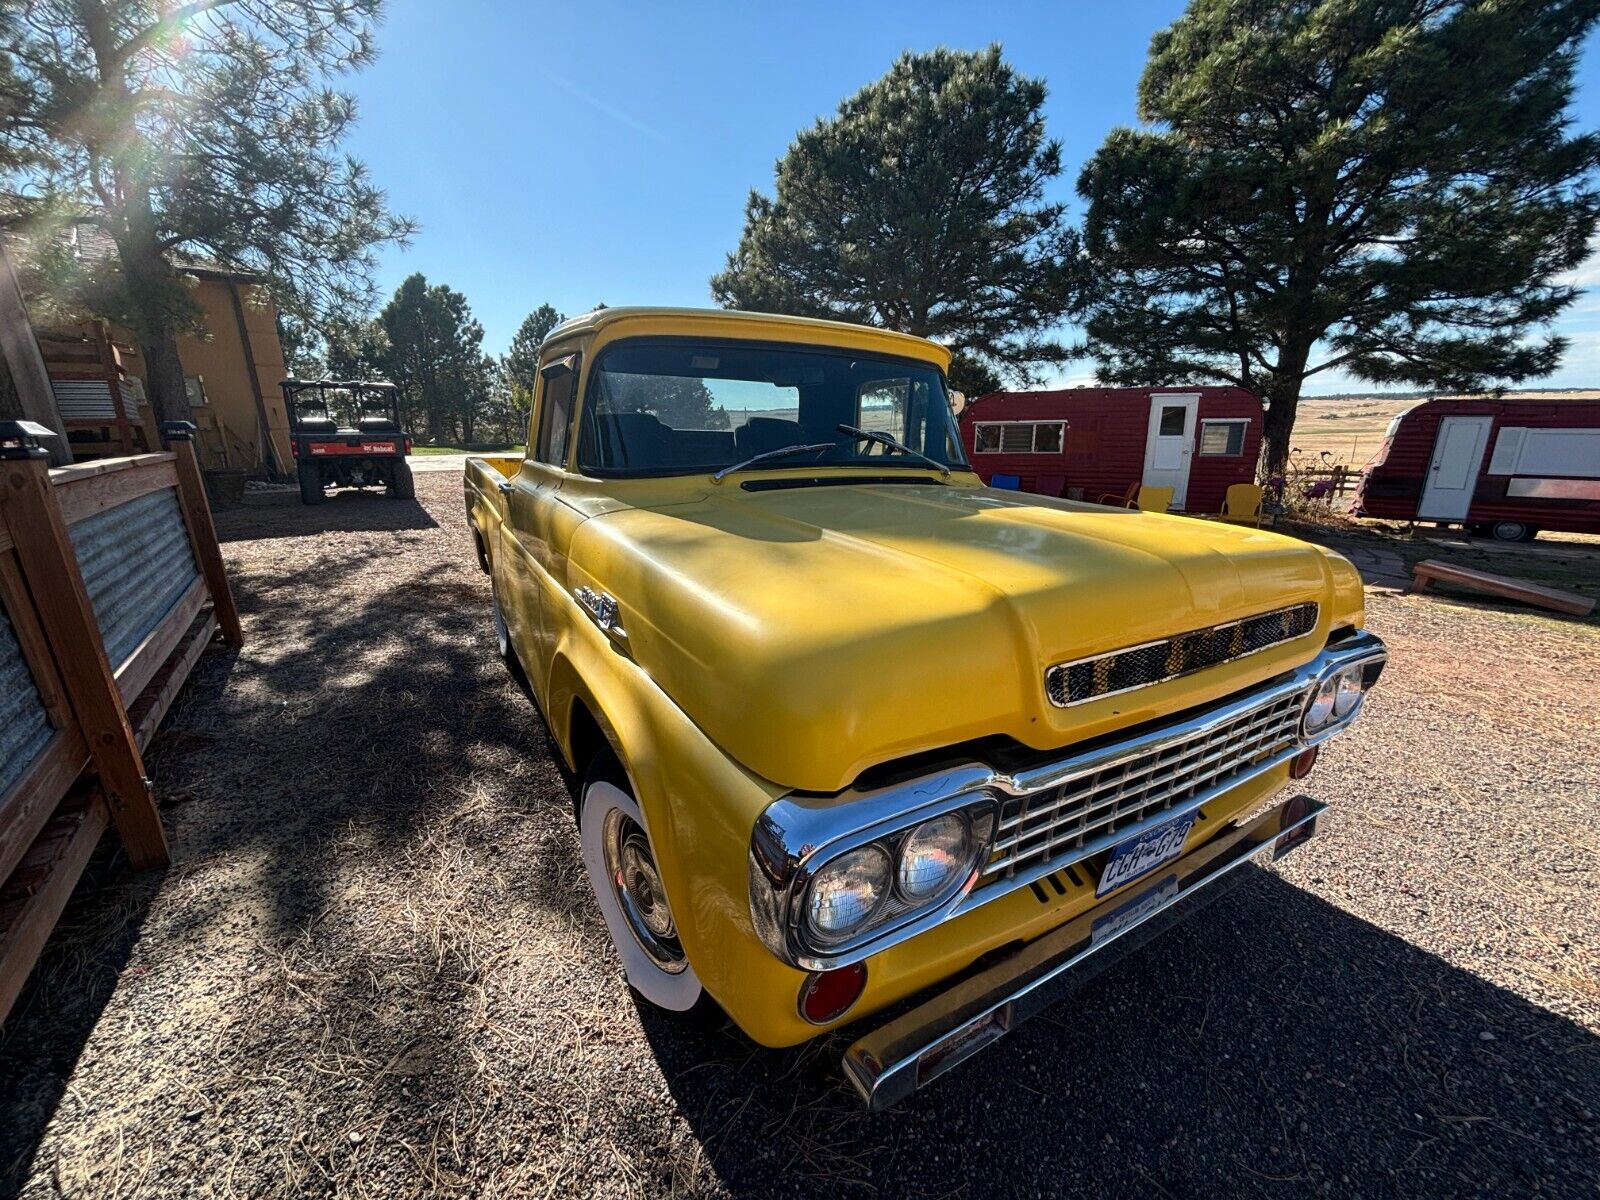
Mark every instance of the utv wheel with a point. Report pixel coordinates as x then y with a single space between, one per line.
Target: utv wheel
310 483
621 866
402 486
1513 531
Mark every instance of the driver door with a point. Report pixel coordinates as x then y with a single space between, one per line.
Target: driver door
531 501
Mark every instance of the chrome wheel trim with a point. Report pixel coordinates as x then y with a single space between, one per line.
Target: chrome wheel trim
636 882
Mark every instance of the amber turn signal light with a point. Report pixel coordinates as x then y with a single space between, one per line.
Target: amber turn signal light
828 995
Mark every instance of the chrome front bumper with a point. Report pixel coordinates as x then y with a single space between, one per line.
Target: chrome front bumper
911 1051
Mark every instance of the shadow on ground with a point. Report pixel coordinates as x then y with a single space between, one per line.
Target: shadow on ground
1273 1045
375 968
349 511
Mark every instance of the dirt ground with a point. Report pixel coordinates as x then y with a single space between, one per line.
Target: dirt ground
375 969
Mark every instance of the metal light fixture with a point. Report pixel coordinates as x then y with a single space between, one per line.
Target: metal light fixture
20 439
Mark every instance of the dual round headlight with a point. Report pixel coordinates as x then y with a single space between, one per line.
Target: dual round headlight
1337 695
847 893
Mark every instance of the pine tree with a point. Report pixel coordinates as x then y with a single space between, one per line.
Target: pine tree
435 357
1391 188
920 207
199 130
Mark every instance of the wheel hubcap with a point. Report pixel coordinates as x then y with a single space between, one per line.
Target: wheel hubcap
637 883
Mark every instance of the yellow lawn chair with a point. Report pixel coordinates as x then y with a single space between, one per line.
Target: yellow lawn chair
1155 499
1242 504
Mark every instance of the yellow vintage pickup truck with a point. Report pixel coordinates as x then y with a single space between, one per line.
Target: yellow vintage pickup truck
856 732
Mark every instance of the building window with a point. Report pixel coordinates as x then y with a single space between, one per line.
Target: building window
1222 438
1020 437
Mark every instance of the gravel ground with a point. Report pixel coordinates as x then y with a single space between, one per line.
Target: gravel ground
374 969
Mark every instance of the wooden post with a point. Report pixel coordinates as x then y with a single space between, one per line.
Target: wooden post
179 436
20 349
50 568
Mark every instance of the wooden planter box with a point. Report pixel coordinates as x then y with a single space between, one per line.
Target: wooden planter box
111 586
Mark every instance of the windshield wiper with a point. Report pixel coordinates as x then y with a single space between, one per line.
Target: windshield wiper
767 455
890 443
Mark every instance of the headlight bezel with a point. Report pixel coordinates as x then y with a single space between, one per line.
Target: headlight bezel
1317 725
979 811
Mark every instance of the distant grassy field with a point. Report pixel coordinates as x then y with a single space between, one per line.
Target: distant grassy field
499 448
1351 428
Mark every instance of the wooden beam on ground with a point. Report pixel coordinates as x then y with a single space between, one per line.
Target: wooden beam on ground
1431 571
50 569
32 898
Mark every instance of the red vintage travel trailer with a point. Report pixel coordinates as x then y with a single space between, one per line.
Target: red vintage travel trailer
1505 468
1195 440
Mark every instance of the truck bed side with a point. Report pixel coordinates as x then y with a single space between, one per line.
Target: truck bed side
485 502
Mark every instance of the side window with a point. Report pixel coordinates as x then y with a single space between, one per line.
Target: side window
1222 438
558 381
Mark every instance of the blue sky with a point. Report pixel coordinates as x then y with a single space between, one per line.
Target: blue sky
603 152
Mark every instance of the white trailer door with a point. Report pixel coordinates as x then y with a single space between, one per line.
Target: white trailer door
1169 445
1453 473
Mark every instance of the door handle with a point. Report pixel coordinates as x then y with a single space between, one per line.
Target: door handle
506 487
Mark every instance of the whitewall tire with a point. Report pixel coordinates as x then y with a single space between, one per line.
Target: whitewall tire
502 635
620 865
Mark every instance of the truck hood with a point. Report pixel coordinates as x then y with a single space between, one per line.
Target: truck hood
812 632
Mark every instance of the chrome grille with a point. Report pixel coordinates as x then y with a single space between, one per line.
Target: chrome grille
1102 675
1081 815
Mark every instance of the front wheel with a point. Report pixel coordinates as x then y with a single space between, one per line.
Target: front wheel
310 483
621 866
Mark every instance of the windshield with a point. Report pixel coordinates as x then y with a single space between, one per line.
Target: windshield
680 408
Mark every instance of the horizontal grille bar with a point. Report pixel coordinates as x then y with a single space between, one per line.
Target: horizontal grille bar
1069 820
1102 675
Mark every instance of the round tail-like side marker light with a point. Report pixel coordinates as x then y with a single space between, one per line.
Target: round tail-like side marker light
828 995
1300 766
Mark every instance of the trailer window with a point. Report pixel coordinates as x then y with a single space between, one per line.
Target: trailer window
1222 439
1020 437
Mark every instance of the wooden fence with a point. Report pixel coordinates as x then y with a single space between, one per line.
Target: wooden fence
111 585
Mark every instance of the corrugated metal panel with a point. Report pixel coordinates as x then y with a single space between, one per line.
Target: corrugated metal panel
83 399
24 729
136 563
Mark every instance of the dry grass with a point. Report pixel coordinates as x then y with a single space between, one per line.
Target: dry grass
1351 428
376 969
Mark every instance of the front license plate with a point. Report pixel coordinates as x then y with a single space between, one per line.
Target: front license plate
1143 853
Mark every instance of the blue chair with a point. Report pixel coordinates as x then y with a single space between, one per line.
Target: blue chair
1011 483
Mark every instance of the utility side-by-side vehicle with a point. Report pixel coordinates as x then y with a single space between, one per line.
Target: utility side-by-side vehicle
346 433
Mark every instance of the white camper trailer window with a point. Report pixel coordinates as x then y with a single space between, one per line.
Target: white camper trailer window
1521 450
